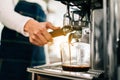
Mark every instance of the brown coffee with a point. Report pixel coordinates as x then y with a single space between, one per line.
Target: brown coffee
75 68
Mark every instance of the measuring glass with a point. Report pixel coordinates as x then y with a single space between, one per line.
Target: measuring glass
75 56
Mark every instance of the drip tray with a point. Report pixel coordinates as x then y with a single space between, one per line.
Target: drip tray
55 70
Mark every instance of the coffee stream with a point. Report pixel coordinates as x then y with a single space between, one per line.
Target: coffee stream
69 43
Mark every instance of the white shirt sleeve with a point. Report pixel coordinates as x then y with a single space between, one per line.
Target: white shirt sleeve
12 19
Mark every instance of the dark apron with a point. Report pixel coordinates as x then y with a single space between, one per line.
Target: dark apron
16 52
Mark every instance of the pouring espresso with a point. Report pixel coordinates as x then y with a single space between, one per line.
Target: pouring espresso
74 54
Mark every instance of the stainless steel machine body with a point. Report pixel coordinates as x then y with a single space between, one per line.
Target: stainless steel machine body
104 19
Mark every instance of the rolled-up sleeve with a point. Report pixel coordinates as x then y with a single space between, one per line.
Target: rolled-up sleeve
12 19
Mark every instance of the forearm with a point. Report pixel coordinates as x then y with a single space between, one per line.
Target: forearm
10 18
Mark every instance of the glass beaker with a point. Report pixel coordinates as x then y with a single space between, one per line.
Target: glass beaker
75 56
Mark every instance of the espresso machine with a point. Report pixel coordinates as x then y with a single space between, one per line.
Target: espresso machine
101 18
103 21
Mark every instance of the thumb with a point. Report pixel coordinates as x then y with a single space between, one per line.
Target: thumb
50 26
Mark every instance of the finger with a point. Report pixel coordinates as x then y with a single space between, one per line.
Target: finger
41 38
38 39
34 42
47 35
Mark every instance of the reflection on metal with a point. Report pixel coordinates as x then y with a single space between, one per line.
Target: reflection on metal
105 54
112 42
92 32
55 70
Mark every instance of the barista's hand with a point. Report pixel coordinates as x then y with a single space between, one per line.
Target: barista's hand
38 34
